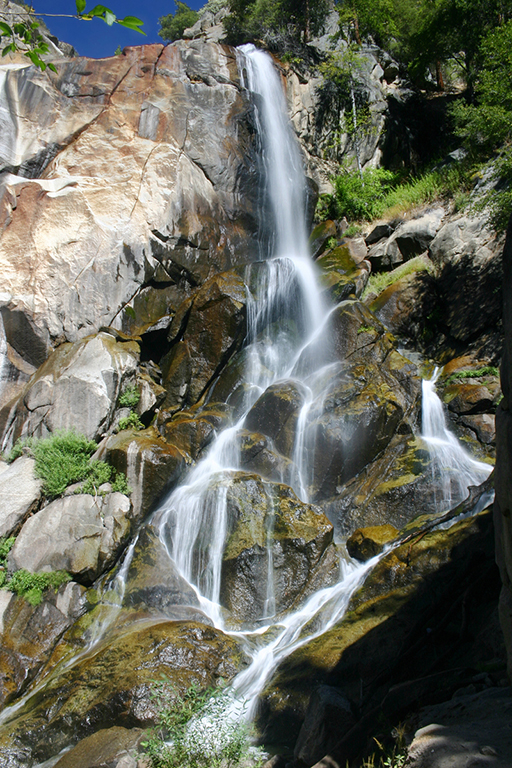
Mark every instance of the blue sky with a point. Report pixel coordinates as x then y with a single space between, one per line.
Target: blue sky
94 38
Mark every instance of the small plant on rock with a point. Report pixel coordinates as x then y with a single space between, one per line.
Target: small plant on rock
131 421
32 585
129 398
197 730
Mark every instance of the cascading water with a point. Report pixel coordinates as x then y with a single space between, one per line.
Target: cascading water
453 468
193 521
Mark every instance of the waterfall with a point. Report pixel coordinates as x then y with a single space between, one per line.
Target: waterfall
453 468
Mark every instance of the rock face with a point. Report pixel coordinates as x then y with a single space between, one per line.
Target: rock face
20 491
90 372
171 211
79 534
503 503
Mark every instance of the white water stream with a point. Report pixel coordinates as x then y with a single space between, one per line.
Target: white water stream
453 468
192 521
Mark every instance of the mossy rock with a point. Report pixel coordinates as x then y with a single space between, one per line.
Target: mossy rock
268 520
365 543
112 687
395 630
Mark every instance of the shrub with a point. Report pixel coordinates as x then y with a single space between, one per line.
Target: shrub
197 730
6 544
32 585
64 458
131 421
129 398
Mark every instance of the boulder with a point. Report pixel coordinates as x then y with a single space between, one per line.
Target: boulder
28 634
415 236
278 549
365 543
207 330
20 493
329 712
471 729
470 397
90 372
114 686
115 747
152 466
80 534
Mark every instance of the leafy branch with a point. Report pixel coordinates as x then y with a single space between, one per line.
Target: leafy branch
24 36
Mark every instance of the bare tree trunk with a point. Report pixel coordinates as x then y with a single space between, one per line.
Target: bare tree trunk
439 76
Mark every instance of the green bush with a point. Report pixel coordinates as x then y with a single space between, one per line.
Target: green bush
379 192
129 398
131 421
6 544
32 585
195 731
64 458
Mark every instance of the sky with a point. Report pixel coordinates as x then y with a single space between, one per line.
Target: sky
97 40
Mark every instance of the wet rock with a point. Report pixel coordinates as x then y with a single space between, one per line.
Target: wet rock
80 534
113 747
154 584
385 651
389 490
268 520
342 275
319 237
20 492
90 372
358 416
402 307
28 634
365 543
152 466
275 414
113 686
208 328
328 714
192 431
258 454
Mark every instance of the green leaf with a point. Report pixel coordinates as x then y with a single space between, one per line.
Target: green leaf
98 10
5 29
80 6
8 49
109 17
131 22
52 67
